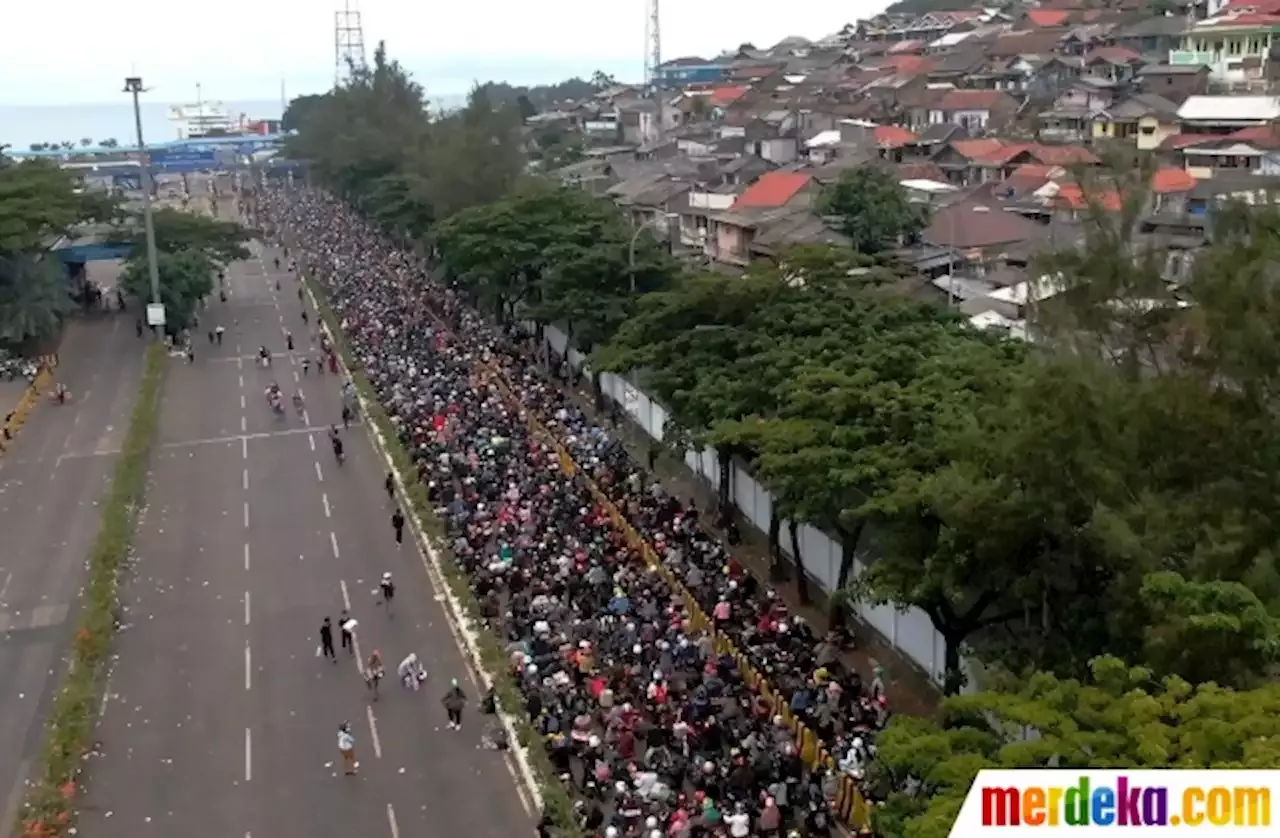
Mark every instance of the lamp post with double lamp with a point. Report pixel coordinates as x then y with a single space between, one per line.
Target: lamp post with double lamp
635 237
133 85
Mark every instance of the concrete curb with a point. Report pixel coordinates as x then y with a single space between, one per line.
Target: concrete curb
459 621
26 404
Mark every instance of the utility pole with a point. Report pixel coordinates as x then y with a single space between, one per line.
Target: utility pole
133 85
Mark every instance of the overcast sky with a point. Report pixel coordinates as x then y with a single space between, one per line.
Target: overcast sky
80 50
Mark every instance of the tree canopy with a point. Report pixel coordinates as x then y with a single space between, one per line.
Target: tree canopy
190 248
1116 717
1107 492
222 242
39 202
872 209
186 277
374 141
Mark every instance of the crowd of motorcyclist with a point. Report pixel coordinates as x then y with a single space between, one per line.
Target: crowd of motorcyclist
657 732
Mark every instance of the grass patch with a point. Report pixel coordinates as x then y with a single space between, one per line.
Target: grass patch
50 804
556 799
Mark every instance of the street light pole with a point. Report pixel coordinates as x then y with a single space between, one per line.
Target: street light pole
133 85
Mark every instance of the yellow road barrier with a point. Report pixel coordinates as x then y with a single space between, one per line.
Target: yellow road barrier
25 405
849 804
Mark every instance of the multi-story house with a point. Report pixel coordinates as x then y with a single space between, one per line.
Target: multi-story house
1235 46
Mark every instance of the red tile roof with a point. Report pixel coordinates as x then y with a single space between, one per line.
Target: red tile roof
921 171
977 148
1263 6
891 136
1263 136
773 189
1070 195
908 65
722 96
1046 18
1170 180
1062 155
1031 176
971 100
906 47
1003 155
1249 19
1115 55
1178 141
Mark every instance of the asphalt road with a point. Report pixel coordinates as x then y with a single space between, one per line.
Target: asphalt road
52 481
221 720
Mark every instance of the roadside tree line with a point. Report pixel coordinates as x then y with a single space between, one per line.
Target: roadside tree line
1094 516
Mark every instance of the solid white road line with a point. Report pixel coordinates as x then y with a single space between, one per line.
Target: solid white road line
373 732
391 821
333 542
248 668
243 438
346 598
327 512
248 755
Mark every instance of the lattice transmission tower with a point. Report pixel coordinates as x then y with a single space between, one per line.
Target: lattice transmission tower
652 44
348 42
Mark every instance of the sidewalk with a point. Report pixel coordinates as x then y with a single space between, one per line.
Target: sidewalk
910 690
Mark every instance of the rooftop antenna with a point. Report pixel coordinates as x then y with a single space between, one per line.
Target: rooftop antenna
348 42
653 59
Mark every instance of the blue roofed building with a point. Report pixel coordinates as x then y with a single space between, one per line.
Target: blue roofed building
681 72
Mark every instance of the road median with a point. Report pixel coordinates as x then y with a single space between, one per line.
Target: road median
55 784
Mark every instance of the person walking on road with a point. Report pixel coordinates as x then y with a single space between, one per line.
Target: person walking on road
390 485
454 700
397 524
348 641
347 747
326 640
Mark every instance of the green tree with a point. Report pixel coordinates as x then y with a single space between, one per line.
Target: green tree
222 242
110 142
872 209
186 278
1119 717
34 299
300 109
39 201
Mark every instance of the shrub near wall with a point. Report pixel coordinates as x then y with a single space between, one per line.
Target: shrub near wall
50 805
556 800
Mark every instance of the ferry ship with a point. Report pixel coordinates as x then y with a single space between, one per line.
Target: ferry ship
204 119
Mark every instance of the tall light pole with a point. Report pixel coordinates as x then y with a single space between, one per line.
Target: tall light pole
133 85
